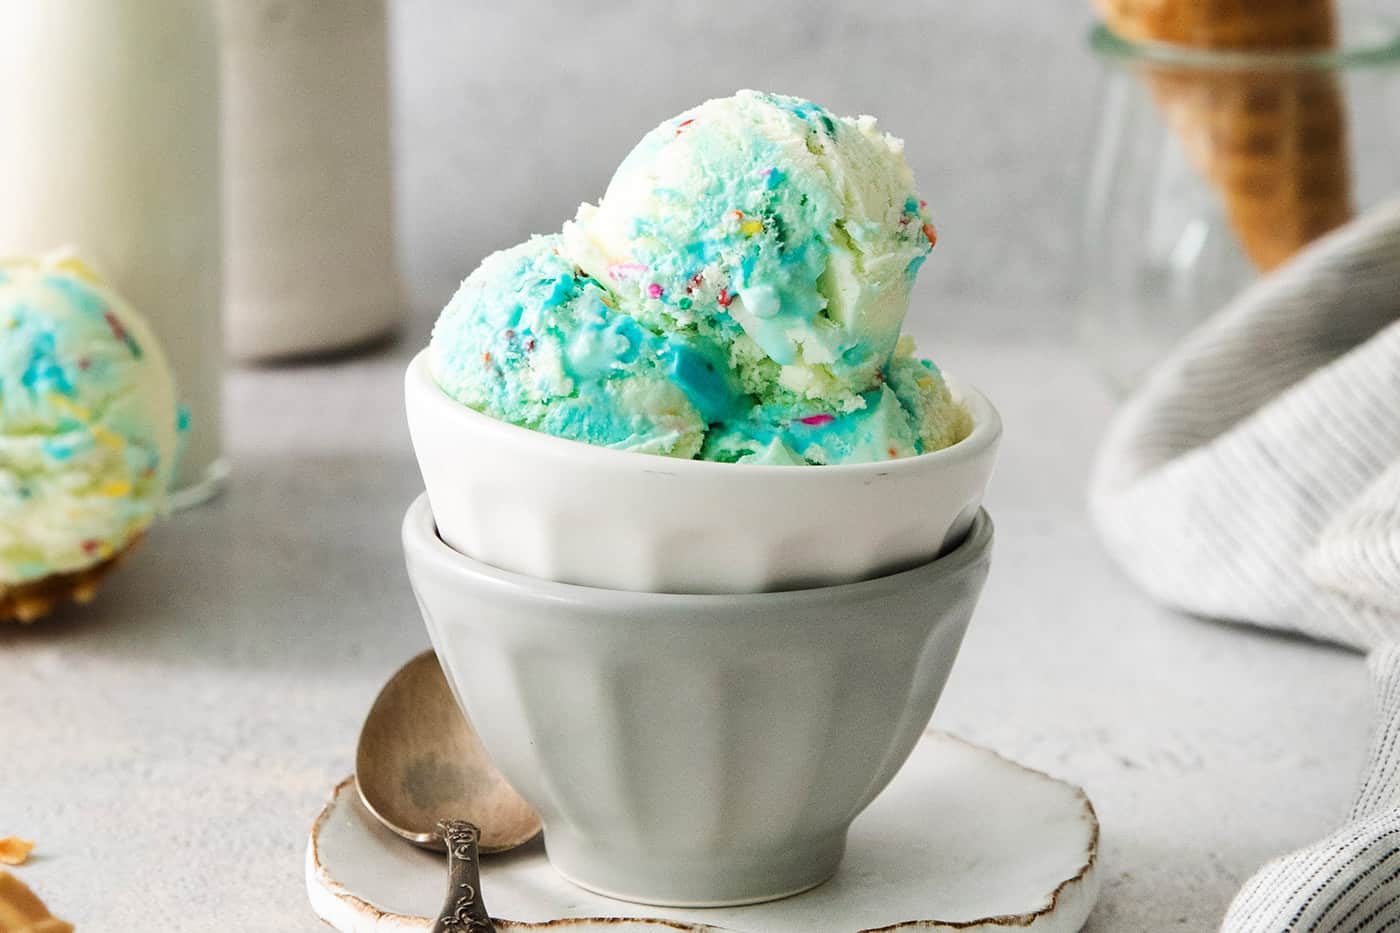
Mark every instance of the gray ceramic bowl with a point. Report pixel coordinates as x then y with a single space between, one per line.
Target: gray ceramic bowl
695 750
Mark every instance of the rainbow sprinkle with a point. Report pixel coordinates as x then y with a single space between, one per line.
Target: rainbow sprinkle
626 270
106 438
122 334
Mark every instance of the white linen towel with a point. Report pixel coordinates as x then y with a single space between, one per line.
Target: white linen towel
1256 477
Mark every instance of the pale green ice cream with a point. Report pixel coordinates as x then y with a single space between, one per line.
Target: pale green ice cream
87 420
737 294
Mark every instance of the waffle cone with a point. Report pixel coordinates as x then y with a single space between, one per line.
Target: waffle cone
1271 141
34 599
22 911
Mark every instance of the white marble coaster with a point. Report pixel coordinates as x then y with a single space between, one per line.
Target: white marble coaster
963 840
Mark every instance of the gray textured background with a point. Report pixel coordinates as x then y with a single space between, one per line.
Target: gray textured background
509 114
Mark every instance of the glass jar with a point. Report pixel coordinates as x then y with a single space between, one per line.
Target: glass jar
1212 167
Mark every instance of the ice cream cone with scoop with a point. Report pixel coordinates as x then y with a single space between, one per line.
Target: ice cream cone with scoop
1269 134
88 429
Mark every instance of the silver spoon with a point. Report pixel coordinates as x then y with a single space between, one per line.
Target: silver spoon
424 774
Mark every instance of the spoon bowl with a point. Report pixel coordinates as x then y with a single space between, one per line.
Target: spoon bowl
419 762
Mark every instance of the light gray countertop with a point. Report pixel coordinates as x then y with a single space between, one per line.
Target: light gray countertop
169 745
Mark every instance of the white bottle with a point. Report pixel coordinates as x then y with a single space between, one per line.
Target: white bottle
109 143
308 199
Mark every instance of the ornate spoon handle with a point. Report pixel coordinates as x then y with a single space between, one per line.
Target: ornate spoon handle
463 911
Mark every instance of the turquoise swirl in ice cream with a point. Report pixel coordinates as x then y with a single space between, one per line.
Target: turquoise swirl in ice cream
533 340
736 295
908 413
87 420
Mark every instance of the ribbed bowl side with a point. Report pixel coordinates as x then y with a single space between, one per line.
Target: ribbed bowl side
682 730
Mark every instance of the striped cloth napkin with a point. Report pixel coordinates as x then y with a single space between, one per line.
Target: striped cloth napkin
1256 477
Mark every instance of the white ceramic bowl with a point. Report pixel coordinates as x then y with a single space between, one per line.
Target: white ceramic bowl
695 749
566 511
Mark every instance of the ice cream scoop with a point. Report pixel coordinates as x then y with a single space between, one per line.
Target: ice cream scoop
88 429
534 341
803 226
736 295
